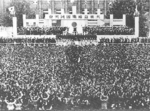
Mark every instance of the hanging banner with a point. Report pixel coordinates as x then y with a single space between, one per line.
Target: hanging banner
77 16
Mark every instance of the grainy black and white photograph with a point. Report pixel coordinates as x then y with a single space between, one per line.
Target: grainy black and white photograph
75 55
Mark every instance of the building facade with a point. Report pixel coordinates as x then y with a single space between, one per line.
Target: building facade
56 5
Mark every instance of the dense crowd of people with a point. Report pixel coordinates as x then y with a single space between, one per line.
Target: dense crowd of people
77 37
66 42
70 77
27 41
97 30
115 30
41 30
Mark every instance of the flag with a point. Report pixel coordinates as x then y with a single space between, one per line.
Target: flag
12 10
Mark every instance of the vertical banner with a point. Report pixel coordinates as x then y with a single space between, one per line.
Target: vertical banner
98 4
85 4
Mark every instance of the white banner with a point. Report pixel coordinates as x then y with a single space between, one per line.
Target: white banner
77 16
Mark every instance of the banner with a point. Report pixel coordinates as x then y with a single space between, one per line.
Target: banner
77 16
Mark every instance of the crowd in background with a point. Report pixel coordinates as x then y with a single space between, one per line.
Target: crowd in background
115 30
27 40
41 30
70 77
97 30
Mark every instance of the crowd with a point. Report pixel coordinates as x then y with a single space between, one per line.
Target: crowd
27 40
41 30
70 77
115 30
66 42
77 37
123 40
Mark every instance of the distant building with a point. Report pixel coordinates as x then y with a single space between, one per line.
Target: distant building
56 5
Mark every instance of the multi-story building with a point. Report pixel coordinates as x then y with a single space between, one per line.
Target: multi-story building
56 5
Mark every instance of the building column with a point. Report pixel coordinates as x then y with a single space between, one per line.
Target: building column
111 20
124 19
37 20
14 26
24 20
137 26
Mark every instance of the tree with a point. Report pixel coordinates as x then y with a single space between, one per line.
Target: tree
118 8
21 7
